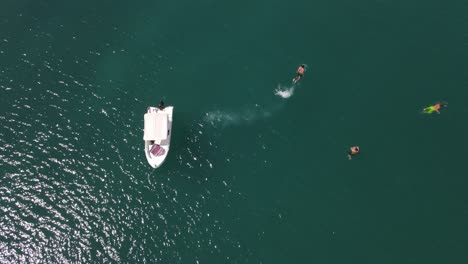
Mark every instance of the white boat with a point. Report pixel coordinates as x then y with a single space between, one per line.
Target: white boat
157 134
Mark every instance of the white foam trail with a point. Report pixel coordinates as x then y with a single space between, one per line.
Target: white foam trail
246 115
284 92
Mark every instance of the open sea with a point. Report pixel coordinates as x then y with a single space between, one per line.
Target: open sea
257 171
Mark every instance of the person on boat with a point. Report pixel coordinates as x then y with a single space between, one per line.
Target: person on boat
161 105
353 151
434 108
300 73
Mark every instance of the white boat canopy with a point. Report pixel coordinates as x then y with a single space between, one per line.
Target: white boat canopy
155 126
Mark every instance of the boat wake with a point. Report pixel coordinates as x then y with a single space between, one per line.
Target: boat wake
284 92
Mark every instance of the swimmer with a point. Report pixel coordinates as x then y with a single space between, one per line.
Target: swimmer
300 73
434 108
353 151
161 105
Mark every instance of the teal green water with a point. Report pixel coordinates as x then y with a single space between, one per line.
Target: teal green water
251 177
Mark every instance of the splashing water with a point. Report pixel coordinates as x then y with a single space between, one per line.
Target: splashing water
284 92
247 114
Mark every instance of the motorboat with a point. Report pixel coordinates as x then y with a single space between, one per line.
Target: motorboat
157 134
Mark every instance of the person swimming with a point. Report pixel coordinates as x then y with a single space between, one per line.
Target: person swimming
300 73
161 105
353 151
434 108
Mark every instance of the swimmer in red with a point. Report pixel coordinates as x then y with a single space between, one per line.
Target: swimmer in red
300 73
353 151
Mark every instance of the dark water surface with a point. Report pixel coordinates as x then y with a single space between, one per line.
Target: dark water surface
251 177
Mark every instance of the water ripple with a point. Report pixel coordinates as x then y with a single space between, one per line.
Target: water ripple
75 185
